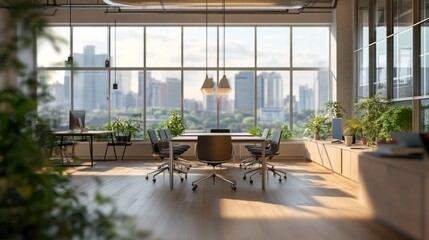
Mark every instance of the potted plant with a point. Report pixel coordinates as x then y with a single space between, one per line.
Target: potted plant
369 110
286 132
124 129
255 130
348 136
357 127
317 125
175 124
397 118
335 109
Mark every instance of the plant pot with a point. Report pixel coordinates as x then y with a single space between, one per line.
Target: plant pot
348 140
363 140
316 136
122 138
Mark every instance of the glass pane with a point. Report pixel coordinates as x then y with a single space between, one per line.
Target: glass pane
90 93
129 49
273 99
402 14
47 54
424 116
273 46
127 101
424 9
363 75
380 84
199 109
424 59
380 19
90 46
238 119
163 94
306 51
402 64
163 46
311 92
363 24
194 46
57 109
239 46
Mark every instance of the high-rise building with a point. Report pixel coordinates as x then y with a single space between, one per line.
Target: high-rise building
306 98
244 98
173 93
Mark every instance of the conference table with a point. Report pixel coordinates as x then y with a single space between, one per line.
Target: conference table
89 134
238 138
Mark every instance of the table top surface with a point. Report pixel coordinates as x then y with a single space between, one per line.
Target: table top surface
79 133
240 134
194 138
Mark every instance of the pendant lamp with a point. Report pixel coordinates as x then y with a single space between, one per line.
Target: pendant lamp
223 86
208 85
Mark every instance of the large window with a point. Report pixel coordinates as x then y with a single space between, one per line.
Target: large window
278 74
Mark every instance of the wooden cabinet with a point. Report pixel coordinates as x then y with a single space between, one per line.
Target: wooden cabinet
397 192
350 164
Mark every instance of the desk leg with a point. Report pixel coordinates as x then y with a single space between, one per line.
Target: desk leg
171 165
264 166
91 149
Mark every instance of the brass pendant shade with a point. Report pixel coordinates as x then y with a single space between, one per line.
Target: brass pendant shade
208 86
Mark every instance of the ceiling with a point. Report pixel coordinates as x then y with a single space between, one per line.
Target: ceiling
188 6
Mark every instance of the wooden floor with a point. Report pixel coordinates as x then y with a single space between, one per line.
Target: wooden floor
312 204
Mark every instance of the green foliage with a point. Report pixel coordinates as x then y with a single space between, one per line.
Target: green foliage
396 119
287 133
36 199
175 124
369 111
335 109
124 127
255 130
317 124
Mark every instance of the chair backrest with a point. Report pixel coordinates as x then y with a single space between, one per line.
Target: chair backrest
214 148
162 134
265 133
275 142
168 133
152 136
220 130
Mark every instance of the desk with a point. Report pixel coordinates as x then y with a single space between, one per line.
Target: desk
91 135
241 138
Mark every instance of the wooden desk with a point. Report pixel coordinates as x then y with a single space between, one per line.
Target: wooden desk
241 138
89 134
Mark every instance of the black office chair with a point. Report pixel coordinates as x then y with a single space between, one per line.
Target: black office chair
273 151
214 150
251 160
165 134
48 142
159 150
220 130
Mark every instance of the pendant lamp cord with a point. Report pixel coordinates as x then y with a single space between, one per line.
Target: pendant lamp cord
70 25
224 9
116 57
207 9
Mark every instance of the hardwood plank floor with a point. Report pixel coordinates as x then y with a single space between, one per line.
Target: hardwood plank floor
312 204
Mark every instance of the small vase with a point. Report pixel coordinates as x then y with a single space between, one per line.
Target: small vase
348 140
316 136
363 140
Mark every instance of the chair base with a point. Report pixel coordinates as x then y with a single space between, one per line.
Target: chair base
270 168
164 167
214 175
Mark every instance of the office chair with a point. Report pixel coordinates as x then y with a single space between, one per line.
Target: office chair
166 135
214 150
159 150
272 151
251 160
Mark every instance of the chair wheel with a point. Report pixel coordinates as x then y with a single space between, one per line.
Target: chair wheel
280 180
186 176
154 180
251 181
181 179
240 165
234 188
244 177
147 177
194 187
285 177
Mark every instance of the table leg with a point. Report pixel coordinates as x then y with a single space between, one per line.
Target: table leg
91 150
264 166
171 165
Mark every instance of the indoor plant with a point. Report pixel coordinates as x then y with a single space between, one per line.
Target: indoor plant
397 118
335 109
124 129
175 124
348 136
317 125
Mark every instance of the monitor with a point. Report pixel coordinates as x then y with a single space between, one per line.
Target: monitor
337 128
77 119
